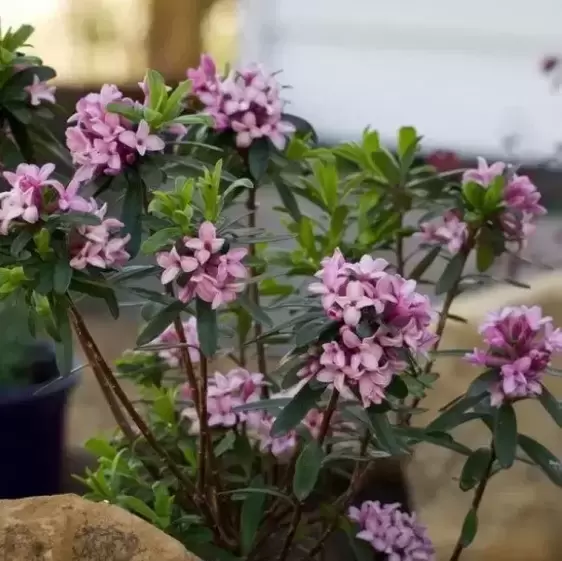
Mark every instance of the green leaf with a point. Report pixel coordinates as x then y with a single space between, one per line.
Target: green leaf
397 388
196 119
441 439
20 242
294 412
62 275
132 211
307 469
484 257
137 506
273 404
162 501
545 459
306 236
174 103
289 200
474 193
475 468
505 435
424 264
132 113
451 275
256 490
257 313
64 349
163 319
383 431
161 239
469 528
156 90
206 327
251 515
302 126
226 443
100 448
551 405
407 148
97 290
387 166
258 159
21 136
17 39
453 416
494 194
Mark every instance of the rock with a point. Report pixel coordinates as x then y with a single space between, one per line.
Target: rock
69 528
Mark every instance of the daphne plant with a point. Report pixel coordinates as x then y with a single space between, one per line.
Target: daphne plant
237 454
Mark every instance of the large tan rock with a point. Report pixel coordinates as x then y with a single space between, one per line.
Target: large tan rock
522 509
69 528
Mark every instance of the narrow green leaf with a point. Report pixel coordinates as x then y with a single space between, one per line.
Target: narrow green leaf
288 199
225 444
62 275
469 528
256 490
95 289
484 257
552 406
295 411
251 515
543 457
387 166
254 310
384 432
100 448
505 435
161 239
258 158
163 319
451 275
424 264
453 416
441 439
307 469
20 242
132 211
475 468
64 349
206 327
263 405
137 506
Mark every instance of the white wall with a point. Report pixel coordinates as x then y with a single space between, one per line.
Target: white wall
464 73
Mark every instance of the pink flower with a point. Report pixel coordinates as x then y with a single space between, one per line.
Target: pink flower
226 392
450 231
98 246
392 531
40 91
247 102
202 268
484 174
104 142
520 197
34 193
520 346
381 318
142 140
17 204
169 337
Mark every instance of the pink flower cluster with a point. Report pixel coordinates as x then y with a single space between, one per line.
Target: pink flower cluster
246 101
203 267
99 245
104 142
225 392
239 387
381 317
520 346
449 230
33 192
521 199
40 91
393 532
170 337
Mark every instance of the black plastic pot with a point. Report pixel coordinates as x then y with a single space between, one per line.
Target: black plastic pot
32 422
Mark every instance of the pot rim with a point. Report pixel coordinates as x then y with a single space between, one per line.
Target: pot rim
36 392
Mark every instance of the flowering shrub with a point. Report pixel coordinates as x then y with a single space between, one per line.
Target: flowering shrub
230 452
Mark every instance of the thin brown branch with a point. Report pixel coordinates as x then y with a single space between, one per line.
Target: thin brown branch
99 364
